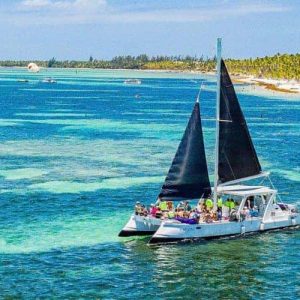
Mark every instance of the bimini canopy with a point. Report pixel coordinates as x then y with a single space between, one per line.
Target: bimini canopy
243 190
188 174
237 155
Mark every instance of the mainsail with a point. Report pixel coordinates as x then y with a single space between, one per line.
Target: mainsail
237 156
188 174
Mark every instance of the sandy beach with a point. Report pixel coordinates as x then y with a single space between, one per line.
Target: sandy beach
282 85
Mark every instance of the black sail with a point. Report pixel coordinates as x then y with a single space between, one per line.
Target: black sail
188 174
237 156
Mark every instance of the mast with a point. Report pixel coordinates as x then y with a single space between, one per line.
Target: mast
216 177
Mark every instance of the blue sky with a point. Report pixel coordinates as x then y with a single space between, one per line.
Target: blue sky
76 29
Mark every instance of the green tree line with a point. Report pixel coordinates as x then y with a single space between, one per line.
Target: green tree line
278 66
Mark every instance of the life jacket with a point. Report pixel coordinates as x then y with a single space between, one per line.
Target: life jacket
220 202
231 205
163 205
209 203
171 214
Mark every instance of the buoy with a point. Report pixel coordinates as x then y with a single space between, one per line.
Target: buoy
262 226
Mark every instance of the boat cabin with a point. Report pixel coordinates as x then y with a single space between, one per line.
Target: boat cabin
251 201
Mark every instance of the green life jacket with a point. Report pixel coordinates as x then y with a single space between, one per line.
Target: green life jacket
171 214
163 205
209 203
220 202
232 205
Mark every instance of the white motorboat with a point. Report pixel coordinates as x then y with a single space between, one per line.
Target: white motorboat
133 81
256 207
48 80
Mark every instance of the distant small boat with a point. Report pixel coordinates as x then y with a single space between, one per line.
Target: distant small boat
23 80
132 81
48 80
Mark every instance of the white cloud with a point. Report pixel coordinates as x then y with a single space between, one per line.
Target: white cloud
55 12
35 3
62 4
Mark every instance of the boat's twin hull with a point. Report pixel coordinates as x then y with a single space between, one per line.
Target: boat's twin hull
173 232
140 225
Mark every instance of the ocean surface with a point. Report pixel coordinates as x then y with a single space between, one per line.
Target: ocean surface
77 154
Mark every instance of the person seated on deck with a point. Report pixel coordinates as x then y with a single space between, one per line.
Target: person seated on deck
192 214
219 208
245 214
180 212
144 211
209 204
180 205
200 205
227 203
187 206
137 208
231 204
171 214
250 202
170 205
208 217
158 213
233 215
254 212
153 210
163 206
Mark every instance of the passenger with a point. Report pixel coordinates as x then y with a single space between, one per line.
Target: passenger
200 205
250 202
170 205
153 210
219 208
180 205
243 214
163 206
187 206
192 214
144 211
231 205
171 214
254 212
180 212
220 203
137 208
227 203
158 213
209 217
209 204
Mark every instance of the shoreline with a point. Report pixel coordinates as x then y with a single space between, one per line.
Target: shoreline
275 85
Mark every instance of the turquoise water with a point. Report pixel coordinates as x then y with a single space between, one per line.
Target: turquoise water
77 154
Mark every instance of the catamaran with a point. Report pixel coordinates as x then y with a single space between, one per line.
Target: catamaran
236 162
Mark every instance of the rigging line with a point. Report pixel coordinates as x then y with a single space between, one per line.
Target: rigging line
274 188
199 92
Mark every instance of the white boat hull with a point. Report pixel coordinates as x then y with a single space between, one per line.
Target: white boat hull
140 225
170 231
